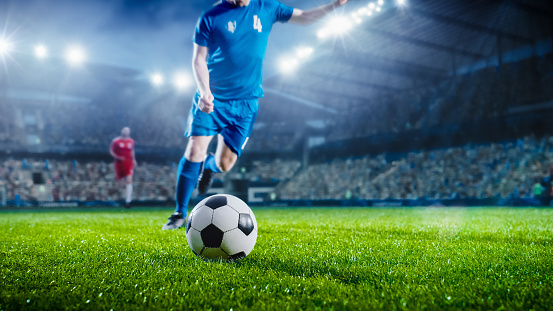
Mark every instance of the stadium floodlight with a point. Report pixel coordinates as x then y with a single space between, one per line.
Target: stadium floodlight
181 81
337 26
323 33
41 51
380 2
340 25
378 9
75 55
371 5
157 79
288 65
401 3
5 47
358 21
304 52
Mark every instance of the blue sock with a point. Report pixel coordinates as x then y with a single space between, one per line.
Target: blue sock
210 164
187 178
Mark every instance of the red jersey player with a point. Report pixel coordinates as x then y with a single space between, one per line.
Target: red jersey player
122 150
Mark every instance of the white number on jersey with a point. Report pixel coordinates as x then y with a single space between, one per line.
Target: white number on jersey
257 23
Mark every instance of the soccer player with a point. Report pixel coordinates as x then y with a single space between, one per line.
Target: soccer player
229 46
122 151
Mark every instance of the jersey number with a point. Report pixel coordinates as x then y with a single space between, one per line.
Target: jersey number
257 23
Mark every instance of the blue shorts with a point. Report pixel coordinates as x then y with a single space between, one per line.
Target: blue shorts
232 119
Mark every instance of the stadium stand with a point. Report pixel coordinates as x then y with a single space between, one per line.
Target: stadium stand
69 180
498 170
494 170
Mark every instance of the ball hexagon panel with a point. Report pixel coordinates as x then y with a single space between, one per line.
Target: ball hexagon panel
225 218
254 220
235 241
237 204
189 222
216 201
201 218
212 236
214 253
245 223
194 239
202 203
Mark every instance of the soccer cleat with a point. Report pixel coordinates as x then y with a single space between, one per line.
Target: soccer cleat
206 179
175 221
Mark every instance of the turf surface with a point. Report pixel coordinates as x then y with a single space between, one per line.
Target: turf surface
304 259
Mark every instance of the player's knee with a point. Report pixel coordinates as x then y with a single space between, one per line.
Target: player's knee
195 153
226 164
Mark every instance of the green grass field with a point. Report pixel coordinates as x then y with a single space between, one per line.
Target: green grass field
304 259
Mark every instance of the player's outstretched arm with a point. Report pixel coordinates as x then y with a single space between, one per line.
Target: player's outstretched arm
310 16
201 74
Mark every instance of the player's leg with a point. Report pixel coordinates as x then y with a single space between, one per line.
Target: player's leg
222 161
187 178
119 174
231 142
225 158
128 191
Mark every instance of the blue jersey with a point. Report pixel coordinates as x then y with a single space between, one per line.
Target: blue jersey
237 40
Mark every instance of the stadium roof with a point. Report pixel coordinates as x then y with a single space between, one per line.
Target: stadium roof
423 43
398 49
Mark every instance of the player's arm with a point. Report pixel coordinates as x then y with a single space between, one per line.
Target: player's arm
310 16
133 157
112 152
201 74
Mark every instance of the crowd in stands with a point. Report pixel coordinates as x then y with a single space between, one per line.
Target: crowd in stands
486 171
66 180
87 181
499 170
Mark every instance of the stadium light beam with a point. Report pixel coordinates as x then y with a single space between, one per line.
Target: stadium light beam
401 3
41 51
181 81
288 65
157 79
340 25
304 52
75 56
5 47
323 33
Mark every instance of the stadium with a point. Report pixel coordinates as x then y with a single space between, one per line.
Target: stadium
401 157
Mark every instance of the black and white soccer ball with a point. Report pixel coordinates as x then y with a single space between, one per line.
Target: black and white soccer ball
221 227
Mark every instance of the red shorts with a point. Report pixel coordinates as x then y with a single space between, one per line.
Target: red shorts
123 169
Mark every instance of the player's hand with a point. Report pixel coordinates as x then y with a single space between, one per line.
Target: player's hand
341 2
206 103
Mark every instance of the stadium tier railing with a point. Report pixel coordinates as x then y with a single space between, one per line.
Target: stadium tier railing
3 193
468 202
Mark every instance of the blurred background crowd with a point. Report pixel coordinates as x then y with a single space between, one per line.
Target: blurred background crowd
521 168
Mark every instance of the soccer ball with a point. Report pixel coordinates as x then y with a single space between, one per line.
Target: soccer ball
221 227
